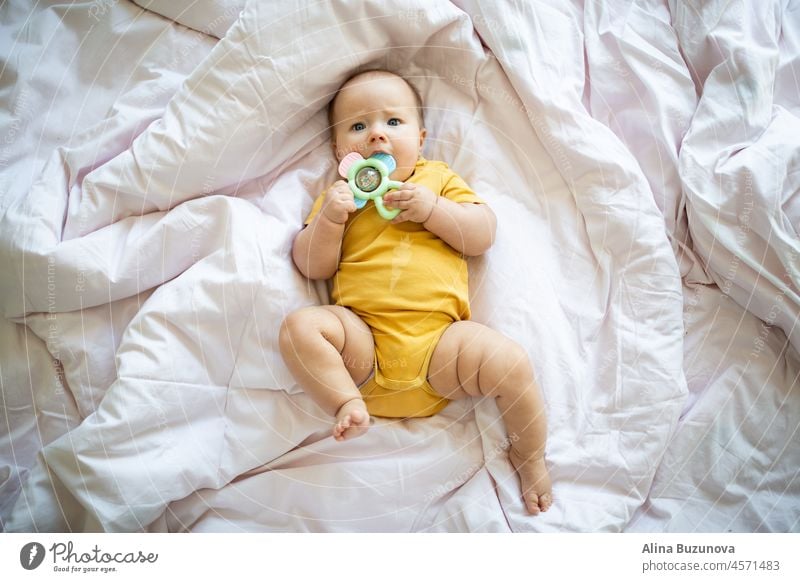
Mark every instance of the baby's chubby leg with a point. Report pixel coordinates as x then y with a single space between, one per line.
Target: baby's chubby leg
330 351
474 360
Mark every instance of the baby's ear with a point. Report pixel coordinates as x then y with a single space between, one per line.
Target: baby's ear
422 134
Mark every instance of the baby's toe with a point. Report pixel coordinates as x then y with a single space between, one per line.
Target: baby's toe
532 503
340 427
359 417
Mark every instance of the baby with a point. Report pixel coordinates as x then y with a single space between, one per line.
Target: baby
398 343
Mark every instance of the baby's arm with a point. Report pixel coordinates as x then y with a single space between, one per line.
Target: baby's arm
317 247
469 228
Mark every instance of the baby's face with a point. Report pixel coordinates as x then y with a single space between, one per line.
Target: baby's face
378 114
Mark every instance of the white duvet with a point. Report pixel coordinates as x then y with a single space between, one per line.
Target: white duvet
152 256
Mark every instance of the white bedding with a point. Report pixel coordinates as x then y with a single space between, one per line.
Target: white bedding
154 177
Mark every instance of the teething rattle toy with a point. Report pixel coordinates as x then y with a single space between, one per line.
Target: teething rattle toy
369 179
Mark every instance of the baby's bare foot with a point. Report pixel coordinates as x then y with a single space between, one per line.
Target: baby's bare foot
352 420
534 480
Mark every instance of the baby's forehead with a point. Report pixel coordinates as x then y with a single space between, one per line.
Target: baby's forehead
362 96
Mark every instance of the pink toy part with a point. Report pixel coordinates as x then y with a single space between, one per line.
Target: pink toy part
348 161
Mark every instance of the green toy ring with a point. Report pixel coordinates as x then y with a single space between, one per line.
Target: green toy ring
369 180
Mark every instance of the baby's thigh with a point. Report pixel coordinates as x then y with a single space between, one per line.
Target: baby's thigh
462 356
358 347
457 359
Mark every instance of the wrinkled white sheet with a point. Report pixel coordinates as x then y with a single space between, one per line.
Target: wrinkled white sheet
740 156
157 272
212 17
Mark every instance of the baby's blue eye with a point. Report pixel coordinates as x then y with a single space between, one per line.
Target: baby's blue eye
358 126
394 121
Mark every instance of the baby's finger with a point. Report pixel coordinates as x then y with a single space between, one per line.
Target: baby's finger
344 196
400 217
339 186
402 204
396 196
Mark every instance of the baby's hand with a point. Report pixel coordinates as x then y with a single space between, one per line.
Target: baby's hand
415 201
338 203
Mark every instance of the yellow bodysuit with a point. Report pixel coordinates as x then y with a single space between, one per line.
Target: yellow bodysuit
408 286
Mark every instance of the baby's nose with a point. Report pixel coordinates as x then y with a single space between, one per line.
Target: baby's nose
377 134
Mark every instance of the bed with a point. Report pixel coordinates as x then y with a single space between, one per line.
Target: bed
157 159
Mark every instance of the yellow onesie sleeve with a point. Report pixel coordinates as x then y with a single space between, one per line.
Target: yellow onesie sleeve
456 189
315 208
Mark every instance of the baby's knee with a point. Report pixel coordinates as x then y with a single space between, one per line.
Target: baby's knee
305 324
512 361
295 327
